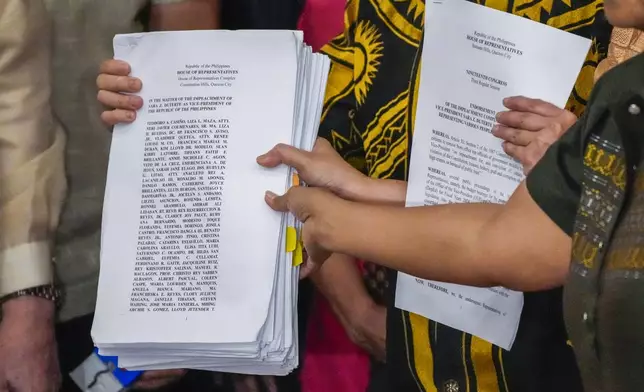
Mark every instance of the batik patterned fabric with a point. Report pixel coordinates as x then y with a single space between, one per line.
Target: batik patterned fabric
369 116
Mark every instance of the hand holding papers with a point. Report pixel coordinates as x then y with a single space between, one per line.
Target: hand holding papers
196 271
473 57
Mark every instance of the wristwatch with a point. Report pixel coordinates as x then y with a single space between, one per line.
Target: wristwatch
48 292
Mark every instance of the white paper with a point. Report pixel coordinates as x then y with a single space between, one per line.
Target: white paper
194 271
473 58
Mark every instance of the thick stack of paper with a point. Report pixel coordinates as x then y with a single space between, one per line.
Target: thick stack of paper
196 270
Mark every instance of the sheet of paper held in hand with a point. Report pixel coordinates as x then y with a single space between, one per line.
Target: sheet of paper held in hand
473 57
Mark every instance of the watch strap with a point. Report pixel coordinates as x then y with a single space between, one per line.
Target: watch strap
48 292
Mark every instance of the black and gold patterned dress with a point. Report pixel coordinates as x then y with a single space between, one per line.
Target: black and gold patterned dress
369 117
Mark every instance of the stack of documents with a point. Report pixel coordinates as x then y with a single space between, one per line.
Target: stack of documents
196 270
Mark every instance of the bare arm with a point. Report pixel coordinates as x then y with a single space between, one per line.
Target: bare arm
514 245
340 282
185 15
383 192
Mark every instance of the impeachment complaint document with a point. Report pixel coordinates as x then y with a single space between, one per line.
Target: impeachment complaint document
196 270
473 58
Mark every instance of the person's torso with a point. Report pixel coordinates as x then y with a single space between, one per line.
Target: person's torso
261 14
82 38
383 75
605 288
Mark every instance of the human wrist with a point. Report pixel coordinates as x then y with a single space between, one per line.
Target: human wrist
28 309
336 219
355 188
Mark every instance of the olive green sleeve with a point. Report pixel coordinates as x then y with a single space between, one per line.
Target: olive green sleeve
555 182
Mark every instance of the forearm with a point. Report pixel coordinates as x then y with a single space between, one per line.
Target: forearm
514 245
186 15
340 282
377 191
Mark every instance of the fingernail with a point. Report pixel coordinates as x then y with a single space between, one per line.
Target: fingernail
130 115
270 195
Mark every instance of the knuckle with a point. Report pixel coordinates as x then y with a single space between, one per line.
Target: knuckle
557 130
121 101
569 117
121 83
531 105
281 147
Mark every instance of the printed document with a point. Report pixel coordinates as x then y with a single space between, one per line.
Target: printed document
196 270
473 58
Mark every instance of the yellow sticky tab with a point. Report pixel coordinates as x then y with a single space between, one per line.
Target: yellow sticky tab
291 239
298 257
296 179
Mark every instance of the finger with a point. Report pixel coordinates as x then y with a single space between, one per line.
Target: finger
118 84
530 105
115 67
119 101
285 154
307 269
277 203
118 116
516 152
513 135
522 120
296 201
317 255
162 374
151 384
158 378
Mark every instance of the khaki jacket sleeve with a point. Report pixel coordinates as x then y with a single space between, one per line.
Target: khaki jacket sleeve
32 178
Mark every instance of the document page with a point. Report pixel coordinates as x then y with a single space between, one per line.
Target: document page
473 58
185 194
197 272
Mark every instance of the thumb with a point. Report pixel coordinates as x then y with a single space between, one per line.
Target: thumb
294 201
277 203
284 154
